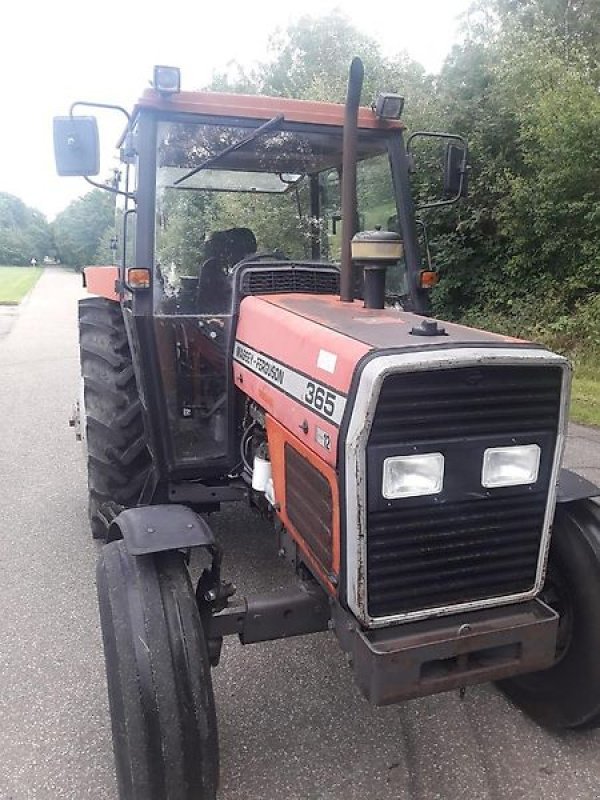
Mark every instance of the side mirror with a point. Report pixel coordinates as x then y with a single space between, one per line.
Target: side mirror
76 146
455 171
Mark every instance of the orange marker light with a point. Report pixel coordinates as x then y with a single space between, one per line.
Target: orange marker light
138 278
428 279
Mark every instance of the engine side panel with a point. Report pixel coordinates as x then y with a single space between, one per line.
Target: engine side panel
310 512
297 370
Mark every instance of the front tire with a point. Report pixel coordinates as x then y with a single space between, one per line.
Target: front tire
159 683
567 695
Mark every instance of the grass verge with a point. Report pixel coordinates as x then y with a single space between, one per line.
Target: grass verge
15 282
585 396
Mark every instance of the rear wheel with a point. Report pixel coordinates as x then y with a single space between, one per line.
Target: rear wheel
118 459
159 683
567 695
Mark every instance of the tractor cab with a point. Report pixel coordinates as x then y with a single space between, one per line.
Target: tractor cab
245 206
225 196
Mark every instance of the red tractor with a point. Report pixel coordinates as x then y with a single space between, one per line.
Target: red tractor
245 349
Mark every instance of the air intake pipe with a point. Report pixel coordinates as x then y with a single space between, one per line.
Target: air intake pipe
349 156
374 251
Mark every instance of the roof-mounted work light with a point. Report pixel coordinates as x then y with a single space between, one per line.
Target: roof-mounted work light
388 106
167 80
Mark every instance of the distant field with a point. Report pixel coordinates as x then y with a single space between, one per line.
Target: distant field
15 282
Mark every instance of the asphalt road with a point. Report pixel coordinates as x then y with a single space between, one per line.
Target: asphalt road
292 723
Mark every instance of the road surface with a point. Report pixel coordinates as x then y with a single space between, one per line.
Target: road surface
292 723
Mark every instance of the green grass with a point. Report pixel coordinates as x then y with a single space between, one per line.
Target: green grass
15 282
585 396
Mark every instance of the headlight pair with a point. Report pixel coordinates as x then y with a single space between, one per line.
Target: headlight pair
423 474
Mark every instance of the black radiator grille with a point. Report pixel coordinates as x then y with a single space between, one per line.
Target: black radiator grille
281 280
472 401
455 553
468 546
309 504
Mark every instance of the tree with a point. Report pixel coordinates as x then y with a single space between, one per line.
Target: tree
310 60
24 232
574 24
521 89
80 228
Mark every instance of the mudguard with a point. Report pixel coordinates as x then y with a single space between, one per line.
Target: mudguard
155 529
573 487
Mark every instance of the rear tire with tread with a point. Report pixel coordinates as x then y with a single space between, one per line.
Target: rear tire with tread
118 459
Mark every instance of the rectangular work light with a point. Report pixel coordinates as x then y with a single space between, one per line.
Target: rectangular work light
517 465
167 80
412 476
389 106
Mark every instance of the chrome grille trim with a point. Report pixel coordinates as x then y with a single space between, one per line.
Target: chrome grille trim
359 428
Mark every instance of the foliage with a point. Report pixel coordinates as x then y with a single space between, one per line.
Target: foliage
523 90
310 61
83 226
24 232
184 220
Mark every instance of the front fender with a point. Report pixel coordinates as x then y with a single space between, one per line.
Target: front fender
154 529
572 486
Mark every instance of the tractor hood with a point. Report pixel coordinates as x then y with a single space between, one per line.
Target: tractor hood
298 356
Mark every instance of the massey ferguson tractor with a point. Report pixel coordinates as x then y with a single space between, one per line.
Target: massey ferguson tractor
264 337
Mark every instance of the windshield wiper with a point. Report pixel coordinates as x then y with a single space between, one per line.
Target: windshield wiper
271 125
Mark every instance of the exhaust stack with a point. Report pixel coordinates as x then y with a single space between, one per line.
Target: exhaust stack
349 155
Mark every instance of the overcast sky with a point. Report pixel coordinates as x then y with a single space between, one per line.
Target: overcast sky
57 51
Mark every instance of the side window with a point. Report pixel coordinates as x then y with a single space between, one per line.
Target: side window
375 194
331 220
377 209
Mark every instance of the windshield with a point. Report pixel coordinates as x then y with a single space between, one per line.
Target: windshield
224 194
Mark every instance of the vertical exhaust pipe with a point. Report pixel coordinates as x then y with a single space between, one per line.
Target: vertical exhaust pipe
349 154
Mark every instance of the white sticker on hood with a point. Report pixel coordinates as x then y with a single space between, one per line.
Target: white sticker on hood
327 361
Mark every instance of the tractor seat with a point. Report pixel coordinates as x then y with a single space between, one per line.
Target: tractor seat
223 249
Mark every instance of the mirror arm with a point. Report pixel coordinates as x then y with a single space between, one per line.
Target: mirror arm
438 203
435 135
111 189
463 166
100 105
111 107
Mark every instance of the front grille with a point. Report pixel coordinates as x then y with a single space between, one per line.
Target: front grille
282 280
472 401
452 554
465 544
309 504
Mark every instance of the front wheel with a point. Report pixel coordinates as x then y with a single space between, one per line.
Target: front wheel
159 684
567 695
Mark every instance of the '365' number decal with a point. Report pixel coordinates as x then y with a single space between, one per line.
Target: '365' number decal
320 399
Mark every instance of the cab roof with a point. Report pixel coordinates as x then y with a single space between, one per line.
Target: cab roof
259 107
